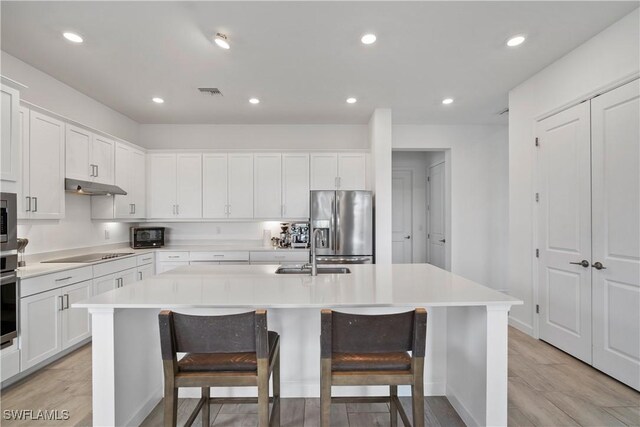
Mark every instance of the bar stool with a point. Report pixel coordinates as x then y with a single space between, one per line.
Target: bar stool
373 350
222 351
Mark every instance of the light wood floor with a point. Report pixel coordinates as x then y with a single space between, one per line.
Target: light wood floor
546 388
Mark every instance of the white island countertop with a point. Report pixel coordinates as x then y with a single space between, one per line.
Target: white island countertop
258 286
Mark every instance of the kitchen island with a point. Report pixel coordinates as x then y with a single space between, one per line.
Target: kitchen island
466 335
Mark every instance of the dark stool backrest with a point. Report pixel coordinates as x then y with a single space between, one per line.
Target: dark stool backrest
235 333
387 333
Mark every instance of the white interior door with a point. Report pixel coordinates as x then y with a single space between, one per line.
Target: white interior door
402 203
616 233
214 185
565 231
437 240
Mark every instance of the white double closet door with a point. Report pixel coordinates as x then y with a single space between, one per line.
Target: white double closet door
589 232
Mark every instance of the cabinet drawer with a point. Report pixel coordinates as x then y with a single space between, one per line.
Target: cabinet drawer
276 257
145 259
220 256
47 282
173 256
114 266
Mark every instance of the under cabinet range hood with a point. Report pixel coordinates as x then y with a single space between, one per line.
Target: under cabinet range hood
92 188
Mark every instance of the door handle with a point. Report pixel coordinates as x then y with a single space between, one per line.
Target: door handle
407 237
583 263
443 241
598 266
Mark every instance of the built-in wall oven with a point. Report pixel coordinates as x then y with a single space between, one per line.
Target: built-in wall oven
9 291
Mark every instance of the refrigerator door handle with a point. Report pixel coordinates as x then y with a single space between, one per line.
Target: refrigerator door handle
337 216
332 224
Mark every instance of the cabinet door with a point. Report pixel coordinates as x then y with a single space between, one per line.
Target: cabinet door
167 266
46 166
102 156
161 176
23 201
295 185
104 284
189 186
240 186
40 334
146 271
9 134
78 157
324 171
76 322
214 185
352 169
128 277
267 184
123 179
139 201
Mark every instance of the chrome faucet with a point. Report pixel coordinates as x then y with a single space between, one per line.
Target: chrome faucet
314 261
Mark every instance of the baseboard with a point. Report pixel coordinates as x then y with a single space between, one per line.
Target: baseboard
521 326
466 416
144 411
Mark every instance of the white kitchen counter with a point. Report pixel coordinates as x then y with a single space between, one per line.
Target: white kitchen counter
466 357
227 247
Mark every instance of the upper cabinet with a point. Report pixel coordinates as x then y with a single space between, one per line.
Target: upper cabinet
267 185
175 185
341 171
89 157
43 167
295 185
9 134
227 185
130 175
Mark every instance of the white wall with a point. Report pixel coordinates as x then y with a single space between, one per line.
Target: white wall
47 92
76 230
609 57
477 174
416 163
217 232
277 137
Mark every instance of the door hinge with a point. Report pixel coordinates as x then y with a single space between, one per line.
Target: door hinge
537 142
537 253
537 309
537 197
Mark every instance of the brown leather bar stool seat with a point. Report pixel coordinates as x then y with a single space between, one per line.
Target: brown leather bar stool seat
373 350
222 351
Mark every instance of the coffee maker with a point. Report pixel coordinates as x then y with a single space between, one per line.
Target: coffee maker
299 234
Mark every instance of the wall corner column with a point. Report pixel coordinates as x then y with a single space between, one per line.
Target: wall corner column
380 138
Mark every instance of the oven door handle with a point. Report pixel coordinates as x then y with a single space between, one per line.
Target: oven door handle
8 278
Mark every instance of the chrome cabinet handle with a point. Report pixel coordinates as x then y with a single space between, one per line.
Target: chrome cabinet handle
97 170
66 301
61 300
28 200
443 241
583 263
91 173
63 279
407 237
134 208
35 204
139 275
177 209
174 209
598 266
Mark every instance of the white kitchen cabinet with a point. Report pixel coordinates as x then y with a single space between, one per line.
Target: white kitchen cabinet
145 271
338 171
40 332
240 186
175 185
163 267
214 185
295 185
282 257
89 157
43 168
115 280
22 187
76 322
130 167
10 134
227 185
267 185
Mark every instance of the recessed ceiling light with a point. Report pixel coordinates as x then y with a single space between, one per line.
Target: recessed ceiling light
158 100
222 41
447 101
254 101
368 39
72 37
516 41
351 100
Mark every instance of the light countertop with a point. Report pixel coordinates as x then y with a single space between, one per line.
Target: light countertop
228 247
257 286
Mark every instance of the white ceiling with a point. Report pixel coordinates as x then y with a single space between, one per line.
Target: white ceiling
302 59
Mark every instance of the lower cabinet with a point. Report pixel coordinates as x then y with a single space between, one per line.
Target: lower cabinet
115 280
167 266
146 271
49 324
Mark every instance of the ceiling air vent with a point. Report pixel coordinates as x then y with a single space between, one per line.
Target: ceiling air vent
213 91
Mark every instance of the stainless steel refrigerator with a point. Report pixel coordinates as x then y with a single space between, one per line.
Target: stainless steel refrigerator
345 219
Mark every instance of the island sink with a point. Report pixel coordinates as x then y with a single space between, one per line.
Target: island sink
307 270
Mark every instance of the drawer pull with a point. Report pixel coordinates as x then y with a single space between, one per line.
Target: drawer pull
174 256
64 278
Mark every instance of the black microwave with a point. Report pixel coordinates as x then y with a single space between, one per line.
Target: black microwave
146 237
